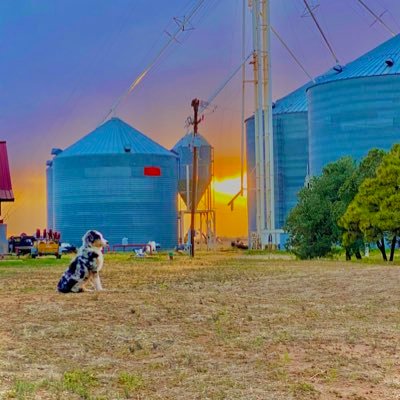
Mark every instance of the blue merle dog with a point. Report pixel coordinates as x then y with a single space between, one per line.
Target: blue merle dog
85 267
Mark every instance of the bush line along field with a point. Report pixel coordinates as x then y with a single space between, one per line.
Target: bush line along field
226 325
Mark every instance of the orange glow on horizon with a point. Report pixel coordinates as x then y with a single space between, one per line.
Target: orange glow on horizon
230 223
229 185
28 212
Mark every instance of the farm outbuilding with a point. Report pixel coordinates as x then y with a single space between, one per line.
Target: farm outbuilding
344 112
118 181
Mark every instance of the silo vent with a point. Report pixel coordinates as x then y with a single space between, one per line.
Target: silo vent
389 62
127 148
338 68
55 151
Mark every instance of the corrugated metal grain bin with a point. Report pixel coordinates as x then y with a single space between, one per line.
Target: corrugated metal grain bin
356 107
118 181
49 187
290 129
184 149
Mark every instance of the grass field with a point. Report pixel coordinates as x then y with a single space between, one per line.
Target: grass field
225 325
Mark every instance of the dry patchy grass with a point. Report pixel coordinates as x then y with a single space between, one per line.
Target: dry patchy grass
225 325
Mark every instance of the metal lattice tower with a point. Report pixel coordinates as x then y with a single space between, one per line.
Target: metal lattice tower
264 155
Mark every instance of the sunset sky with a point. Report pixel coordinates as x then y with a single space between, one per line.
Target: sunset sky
65 62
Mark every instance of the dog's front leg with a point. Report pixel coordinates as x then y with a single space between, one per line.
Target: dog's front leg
96 281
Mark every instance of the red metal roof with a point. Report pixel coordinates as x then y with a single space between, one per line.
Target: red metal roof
6 193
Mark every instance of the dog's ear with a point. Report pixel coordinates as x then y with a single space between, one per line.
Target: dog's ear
88 237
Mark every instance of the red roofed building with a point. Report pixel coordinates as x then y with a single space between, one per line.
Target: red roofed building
6 193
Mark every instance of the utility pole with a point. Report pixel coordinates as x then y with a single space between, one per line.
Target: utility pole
195 105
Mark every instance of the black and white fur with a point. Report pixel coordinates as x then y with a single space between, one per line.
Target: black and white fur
85 267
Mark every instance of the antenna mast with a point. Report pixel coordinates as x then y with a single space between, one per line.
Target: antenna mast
264 151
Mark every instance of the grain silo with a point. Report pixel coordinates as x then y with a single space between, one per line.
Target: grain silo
184 149
204 195
118 181
355 107
290 130
49 189
49 192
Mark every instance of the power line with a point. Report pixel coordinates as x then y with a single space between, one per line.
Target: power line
378 17
76 93
291 53
321 31
204 105
182 24
243 103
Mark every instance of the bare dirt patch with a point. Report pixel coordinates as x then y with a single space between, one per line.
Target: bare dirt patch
222 326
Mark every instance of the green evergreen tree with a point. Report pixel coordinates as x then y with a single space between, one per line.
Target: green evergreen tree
353 237
375 210
315 225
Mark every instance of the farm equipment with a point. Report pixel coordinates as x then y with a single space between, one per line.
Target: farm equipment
21 245
48 244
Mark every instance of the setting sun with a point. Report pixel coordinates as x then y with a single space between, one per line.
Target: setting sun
230 221
229 185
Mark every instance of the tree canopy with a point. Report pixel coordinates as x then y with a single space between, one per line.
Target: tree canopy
313 225
375 210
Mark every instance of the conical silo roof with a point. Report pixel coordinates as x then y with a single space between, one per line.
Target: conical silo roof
293 102
114 137
382 60
183 149
189 140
